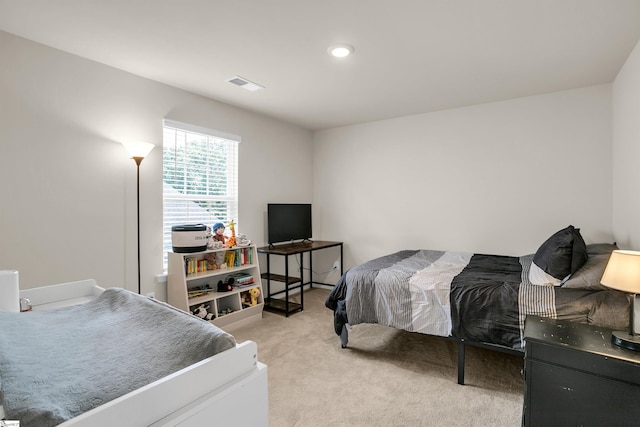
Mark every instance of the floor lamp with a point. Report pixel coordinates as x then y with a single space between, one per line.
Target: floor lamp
138 151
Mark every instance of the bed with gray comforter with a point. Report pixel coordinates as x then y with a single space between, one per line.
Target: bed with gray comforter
55 365
472 298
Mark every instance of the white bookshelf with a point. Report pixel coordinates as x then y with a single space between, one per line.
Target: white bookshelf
226 307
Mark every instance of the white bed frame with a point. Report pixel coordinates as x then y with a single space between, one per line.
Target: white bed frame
227 389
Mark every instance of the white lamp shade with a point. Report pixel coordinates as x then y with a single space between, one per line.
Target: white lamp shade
138 149
9 291
623 272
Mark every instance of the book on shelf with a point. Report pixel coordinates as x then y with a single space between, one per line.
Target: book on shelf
232 258
243 285
246 255
194 265
241 280
238 257
199 293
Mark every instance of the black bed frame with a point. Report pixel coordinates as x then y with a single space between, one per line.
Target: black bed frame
462 343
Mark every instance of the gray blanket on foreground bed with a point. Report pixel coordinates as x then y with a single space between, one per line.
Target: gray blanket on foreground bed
57 364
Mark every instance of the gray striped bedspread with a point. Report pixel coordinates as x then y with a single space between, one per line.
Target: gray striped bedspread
476 297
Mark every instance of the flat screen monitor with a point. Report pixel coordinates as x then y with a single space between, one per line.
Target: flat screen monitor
288 222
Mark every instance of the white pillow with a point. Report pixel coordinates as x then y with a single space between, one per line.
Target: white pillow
538 276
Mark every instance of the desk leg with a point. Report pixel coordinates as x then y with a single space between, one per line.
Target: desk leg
310 269
268 299
302 280
286 285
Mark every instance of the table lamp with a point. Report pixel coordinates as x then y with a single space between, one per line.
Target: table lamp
623 273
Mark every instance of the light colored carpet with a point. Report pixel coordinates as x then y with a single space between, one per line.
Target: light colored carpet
385 377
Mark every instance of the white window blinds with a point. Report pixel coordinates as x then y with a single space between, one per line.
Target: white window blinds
200 177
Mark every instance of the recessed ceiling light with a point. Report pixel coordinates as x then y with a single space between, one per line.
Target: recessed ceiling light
340 50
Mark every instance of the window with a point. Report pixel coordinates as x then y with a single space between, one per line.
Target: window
199 177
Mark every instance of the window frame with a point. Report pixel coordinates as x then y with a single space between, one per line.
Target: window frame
199 200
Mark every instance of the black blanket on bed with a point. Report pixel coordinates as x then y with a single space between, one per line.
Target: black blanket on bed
487 289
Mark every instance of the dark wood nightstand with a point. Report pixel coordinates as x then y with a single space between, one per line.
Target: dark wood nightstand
575 376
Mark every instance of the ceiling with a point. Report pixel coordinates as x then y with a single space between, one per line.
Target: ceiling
411 56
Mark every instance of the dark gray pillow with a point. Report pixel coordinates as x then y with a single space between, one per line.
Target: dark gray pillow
589 275
558 257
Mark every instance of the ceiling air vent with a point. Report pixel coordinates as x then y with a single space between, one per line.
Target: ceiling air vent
244 83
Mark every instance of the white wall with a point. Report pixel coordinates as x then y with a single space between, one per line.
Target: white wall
626 153
460 179
494 178
68 188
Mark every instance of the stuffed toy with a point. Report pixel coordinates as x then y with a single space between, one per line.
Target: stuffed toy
210 257
227 285
209 238
218 233
201 312
255 293
232 240
212 241
242 240
216 244
246 299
